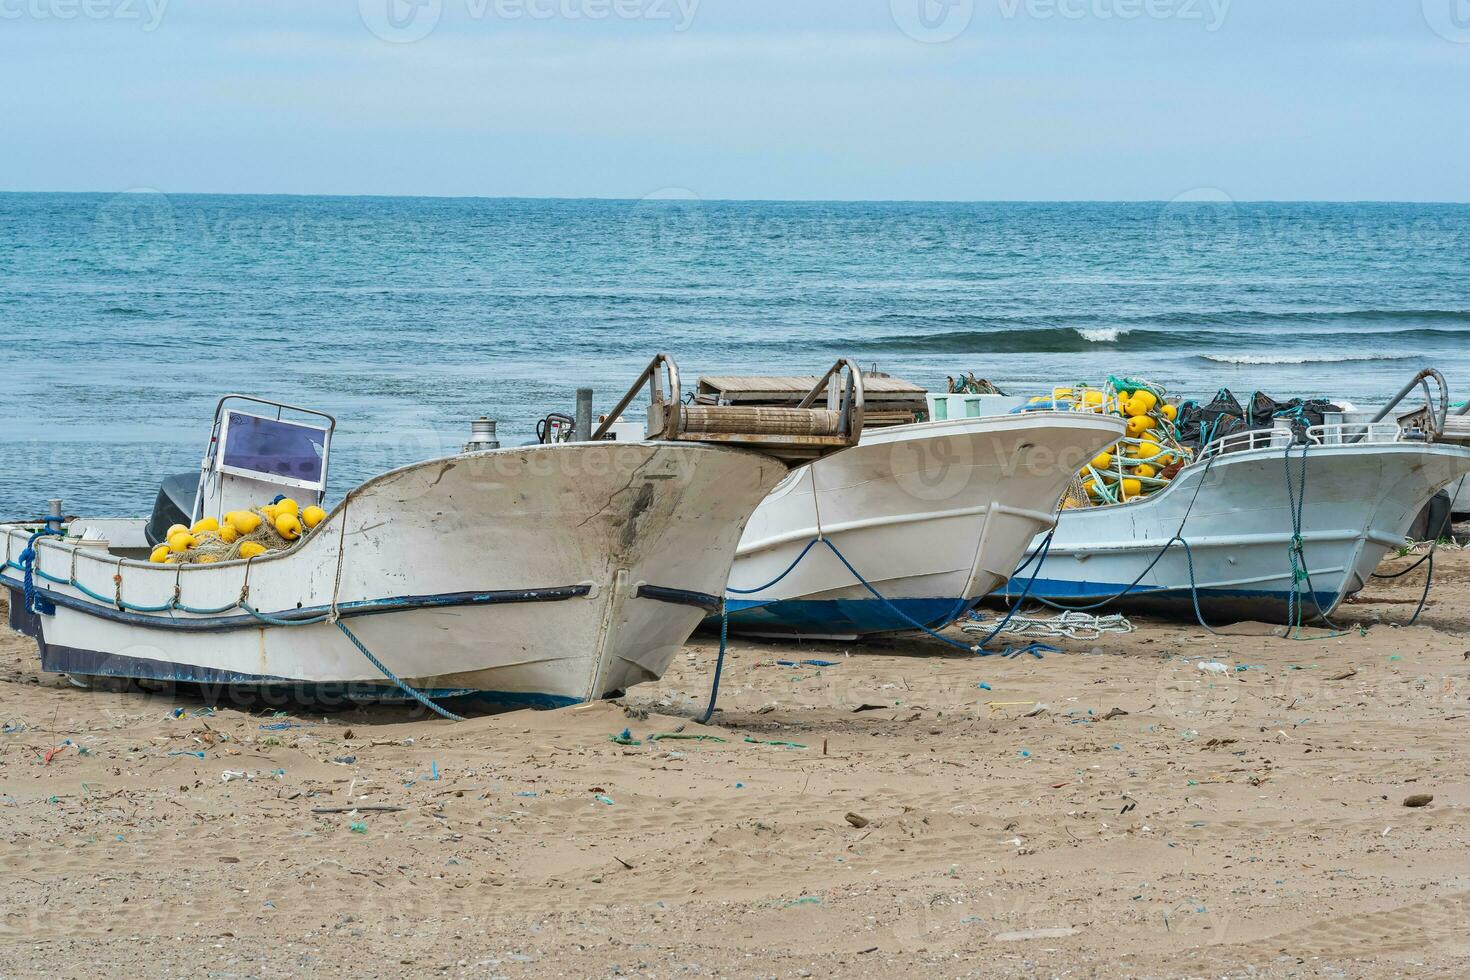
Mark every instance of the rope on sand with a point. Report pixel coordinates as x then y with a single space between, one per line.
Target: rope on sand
1071 625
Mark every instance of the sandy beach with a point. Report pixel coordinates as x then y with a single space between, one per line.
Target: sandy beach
1112 809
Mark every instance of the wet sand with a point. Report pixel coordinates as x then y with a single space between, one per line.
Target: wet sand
1109 810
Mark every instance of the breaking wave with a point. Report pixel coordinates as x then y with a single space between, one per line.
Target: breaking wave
1303 358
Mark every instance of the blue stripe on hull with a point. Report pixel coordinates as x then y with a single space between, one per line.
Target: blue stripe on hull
1264 604
221 685
840 617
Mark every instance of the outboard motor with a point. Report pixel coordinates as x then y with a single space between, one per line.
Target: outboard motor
1434 521
175 501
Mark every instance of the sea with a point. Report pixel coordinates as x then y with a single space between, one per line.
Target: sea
127 316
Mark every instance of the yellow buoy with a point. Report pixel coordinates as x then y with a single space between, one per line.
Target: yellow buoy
288 526
1139 424
160 554
288 506
205 524
252 549
312 516
181 542
246 521
1169 412
1146 400
227 533
1132 488
1102 461
1144 450
174 529
1093 398
270 511
1144 470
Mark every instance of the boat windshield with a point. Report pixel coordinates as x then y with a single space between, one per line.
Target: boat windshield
255 446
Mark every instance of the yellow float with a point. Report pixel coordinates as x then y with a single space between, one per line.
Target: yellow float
288 526
1136 467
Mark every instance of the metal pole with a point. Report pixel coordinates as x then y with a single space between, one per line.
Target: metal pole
53 514
583 429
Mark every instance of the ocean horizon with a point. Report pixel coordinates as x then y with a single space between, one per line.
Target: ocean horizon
406 317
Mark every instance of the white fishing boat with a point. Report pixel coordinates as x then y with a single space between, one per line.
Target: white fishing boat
908 530
543 575
1280 523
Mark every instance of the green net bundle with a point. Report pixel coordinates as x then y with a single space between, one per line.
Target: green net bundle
1145 460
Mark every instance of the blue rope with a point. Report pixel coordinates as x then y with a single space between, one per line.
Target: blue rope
420 698
1041 552
1428 580
1126 591
1295 552
33 601
714 691
891 607
773 582
951 616
36 604
272 621
1177 538
1297 497
193 611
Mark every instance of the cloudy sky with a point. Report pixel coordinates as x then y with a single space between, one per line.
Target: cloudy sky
824 99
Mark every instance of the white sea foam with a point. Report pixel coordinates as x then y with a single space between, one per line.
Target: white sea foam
1101 335
1301 358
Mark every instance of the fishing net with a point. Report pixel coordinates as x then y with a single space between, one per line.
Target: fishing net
1131 385
1076 495
212 546
1144 460
1199 425
969 384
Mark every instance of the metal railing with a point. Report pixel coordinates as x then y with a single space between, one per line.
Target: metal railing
1421 380
1337 433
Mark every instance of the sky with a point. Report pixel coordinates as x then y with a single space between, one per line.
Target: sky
741 99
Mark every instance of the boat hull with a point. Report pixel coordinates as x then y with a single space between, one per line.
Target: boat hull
543 575
932 516
1360 501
